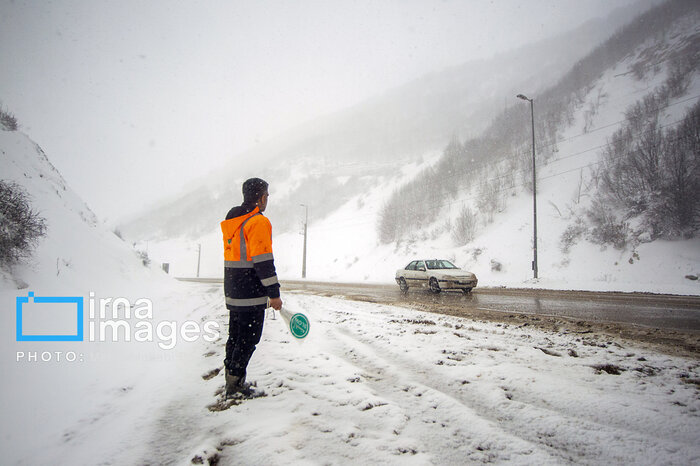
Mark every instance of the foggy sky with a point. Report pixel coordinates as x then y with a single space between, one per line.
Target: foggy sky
133 100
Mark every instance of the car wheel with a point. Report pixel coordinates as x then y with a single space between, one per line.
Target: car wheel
467 290
403 285
434 286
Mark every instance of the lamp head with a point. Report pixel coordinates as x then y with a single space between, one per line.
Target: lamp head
520 96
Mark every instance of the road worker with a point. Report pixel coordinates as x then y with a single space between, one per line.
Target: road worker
250 280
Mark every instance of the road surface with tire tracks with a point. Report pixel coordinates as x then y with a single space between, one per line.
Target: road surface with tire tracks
671 321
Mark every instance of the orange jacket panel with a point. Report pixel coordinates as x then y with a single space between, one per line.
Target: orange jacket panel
257 236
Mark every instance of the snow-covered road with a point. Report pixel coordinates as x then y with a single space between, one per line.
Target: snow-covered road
383 385
376 384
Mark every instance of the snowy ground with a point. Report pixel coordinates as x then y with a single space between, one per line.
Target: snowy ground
371 384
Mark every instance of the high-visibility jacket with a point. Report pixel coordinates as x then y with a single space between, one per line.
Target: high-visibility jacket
249 266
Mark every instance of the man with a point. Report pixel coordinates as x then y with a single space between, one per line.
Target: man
249 280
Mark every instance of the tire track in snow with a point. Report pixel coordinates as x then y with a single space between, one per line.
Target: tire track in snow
459 431
568 434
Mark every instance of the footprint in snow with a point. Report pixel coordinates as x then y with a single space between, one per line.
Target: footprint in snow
212 373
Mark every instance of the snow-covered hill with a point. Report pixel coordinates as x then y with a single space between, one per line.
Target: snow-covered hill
343 245
346 153
49 386
78 252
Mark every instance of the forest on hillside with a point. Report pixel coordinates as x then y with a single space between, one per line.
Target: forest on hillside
646 170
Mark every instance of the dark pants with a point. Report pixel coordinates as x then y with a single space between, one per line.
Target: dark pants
245 327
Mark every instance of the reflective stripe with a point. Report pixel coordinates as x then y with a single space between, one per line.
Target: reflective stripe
243 263
238 264
244 250
269 281
263 257
246 301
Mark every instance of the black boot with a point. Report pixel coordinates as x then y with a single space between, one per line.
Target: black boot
236 384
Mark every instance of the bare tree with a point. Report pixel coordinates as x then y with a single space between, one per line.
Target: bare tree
8 120
464 228
21 227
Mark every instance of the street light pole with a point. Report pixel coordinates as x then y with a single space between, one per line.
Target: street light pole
534 184
306 221
199 255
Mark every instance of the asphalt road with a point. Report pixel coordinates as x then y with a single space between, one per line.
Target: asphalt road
669 312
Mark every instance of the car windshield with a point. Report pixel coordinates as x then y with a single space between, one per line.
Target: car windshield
439 264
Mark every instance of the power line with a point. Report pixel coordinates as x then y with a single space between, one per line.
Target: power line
650 65
518 171
564 172
570 138
619 122
504 189
549 162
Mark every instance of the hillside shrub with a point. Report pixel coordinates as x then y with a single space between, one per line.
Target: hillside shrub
653 173
143 257
21 227
607 228
411 208
573 233
464 228
8 120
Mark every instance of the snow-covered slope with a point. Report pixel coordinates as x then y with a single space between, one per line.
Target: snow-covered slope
363 143
49 388
343 246
77 254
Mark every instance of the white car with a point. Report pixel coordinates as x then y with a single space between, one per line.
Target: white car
436 274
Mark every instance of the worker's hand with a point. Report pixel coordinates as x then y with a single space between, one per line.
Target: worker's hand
276 303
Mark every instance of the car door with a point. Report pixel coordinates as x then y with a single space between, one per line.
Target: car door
421 274
408 273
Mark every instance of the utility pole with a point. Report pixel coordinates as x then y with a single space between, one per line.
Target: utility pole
306 221
534 185
199 255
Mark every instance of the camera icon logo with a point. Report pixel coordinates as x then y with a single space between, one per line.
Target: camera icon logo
49 318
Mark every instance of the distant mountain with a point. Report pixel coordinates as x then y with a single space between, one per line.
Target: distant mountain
333 158
469 198
663 41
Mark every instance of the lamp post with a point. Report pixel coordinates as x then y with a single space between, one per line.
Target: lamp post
534 184
306 221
